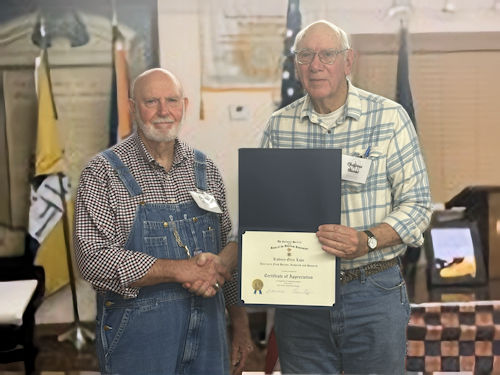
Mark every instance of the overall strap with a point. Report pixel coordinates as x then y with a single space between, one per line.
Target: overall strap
123 172
200 170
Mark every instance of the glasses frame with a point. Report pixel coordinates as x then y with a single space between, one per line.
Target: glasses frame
335 51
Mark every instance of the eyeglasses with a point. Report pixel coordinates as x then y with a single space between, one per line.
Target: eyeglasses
326 56
171 102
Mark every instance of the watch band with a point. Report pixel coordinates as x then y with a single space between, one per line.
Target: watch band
368 233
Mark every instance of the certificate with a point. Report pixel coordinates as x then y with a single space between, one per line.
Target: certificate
286 268
284 196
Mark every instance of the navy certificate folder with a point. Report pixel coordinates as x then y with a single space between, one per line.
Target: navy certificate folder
289 189
284 190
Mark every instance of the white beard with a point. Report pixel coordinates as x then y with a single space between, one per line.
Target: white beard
159 135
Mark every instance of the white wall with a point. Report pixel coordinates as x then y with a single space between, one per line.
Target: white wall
423 16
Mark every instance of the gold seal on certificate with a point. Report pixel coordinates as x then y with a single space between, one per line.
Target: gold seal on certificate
292 266
257 286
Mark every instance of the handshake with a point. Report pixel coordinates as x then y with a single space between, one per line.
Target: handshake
205 274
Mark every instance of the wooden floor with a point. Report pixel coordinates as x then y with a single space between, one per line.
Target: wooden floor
61 358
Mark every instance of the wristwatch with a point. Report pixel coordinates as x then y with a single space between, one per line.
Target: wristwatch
372 240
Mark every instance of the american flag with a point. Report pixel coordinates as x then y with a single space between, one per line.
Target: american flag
291 89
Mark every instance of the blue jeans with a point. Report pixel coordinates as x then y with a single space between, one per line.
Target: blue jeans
364 333
166 334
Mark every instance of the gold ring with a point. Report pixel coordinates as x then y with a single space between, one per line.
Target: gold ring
216 285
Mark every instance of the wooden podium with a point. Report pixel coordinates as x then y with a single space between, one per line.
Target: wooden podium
482 203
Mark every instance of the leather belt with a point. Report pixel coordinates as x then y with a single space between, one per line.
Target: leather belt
369 269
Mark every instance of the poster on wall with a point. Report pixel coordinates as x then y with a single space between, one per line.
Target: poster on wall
242 42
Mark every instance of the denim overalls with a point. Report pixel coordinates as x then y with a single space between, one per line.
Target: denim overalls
166 329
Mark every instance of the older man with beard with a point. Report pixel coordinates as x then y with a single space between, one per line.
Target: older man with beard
152 237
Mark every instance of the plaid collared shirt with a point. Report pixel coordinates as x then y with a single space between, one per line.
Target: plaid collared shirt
104 213
396 191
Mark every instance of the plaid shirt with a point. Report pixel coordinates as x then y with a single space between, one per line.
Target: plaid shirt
104 213
396 191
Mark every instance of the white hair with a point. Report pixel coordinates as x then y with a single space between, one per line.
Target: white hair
344 39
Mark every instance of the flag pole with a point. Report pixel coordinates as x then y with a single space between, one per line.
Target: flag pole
77 334
405 98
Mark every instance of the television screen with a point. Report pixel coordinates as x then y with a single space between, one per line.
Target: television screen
454 253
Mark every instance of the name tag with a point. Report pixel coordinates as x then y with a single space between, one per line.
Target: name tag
355 169
206 201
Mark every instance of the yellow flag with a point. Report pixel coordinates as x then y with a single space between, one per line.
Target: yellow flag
49 154
47 210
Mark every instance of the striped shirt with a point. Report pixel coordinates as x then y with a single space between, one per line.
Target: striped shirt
396 191
105 212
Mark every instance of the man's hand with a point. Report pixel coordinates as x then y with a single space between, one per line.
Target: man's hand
349 243
208 287
342 241
241 340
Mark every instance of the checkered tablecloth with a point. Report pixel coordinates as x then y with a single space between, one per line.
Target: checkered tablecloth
455 337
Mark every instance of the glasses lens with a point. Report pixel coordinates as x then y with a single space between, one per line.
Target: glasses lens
327 56
305 56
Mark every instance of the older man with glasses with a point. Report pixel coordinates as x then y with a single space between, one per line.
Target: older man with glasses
365 331
152 237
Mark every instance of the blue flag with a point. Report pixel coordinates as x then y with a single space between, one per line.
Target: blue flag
403 90
113 112
291 89
404 97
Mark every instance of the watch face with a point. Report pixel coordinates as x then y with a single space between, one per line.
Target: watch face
372 243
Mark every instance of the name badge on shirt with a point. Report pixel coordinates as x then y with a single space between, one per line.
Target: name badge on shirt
206 201
355 169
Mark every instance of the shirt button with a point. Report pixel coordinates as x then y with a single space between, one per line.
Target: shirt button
109 303
165 224
195 219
